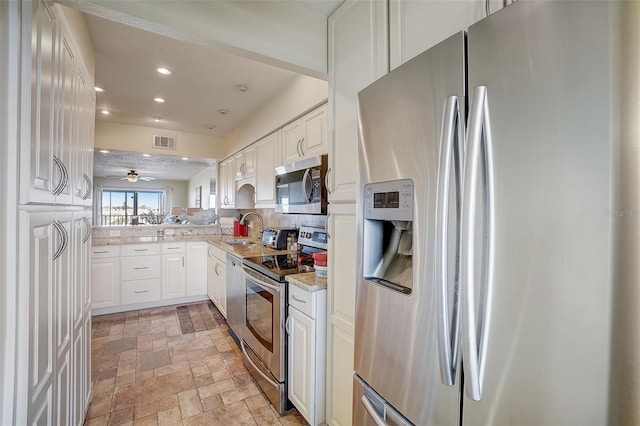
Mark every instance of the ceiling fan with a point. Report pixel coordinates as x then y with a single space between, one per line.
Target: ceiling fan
133 176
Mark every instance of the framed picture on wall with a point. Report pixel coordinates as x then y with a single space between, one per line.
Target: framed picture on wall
199 196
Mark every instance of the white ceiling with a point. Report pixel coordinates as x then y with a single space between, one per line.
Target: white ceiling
202 82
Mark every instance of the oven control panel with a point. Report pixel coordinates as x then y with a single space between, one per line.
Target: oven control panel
313 237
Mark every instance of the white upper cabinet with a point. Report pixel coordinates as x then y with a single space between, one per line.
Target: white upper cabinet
245 166
305 137
358 55
57 115
227 185
417 25
268 155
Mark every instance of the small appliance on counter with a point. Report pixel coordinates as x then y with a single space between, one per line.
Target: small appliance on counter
277 237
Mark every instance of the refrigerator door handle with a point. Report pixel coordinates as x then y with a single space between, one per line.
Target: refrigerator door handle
451 147
379 421
475 325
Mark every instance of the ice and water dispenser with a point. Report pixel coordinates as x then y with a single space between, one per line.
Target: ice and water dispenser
388 234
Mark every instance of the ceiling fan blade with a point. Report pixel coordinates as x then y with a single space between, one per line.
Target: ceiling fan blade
146 178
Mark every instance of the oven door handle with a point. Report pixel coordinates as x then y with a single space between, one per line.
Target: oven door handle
259 281
255 367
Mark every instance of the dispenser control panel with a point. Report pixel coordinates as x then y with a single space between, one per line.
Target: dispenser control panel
391 200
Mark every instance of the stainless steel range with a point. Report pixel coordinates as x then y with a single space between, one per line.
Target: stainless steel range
263 335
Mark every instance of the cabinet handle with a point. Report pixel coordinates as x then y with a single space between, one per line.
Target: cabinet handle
286 324
298 147
326 180
298 300
89 231
58 189
60 229
87 194
141 267
140 249
173 248
143 291
216 269
302 147
101 252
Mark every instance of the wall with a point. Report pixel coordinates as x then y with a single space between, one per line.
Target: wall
303 94
177 191
201 179
127 137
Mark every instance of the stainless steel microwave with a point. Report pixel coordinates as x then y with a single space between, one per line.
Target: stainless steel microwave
301 188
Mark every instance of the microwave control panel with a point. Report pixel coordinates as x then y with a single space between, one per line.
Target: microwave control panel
391 200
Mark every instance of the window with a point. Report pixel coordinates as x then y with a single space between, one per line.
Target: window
121 207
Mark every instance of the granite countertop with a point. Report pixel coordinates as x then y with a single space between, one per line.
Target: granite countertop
307 281
256 249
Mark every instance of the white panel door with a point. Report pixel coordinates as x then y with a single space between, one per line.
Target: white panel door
291 139
66 115
197 268
105 282
38 132
417 25
173 276
314 130
341 290
358 55
302 354
37 247
268 157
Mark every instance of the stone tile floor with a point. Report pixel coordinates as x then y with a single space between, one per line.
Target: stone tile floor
146 372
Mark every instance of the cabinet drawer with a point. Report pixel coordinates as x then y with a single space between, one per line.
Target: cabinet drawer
98 252
168 248
138 291
141 267
302 300
140 249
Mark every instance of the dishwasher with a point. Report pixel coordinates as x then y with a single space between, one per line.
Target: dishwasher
235 297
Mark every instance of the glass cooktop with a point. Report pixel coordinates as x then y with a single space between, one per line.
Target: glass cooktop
280 265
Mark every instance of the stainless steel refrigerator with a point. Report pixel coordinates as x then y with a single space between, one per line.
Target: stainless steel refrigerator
484 291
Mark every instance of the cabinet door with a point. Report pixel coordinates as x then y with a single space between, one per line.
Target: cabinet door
66 115
341 312
291 140
249 161
314 140
268 156
197 268
301 329
38 134
37 247
83 152
173 276
238 166
416 25
105 282
227 184
358 55
213 278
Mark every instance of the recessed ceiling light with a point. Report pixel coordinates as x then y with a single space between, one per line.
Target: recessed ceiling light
104 151
157 118
211 127
163 71
146 155
185 158
240 88
159 100
223 111
99 89
105 112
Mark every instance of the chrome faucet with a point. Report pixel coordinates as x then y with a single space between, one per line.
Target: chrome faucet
244 217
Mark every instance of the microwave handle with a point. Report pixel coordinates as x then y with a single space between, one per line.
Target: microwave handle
305 180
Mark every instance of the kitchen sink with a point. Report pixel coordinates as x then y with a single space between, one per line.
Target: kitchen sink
241 243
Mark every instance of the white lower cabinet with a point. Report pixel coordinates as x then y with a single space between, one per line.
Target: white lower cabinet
173 276
217 278
197 268
105 276
306 330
